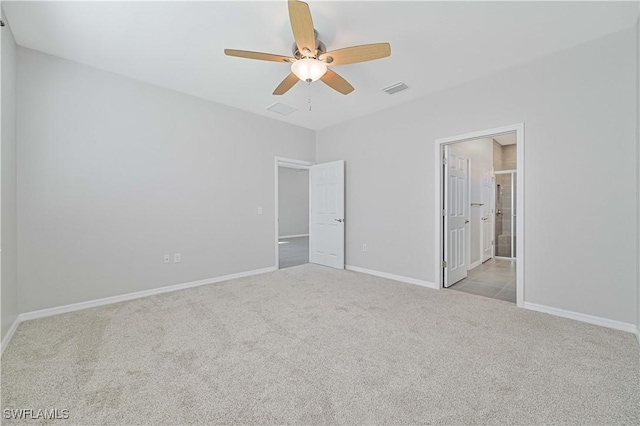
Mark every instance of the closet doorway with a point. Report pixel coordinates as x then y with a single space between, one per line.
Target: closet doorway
292 212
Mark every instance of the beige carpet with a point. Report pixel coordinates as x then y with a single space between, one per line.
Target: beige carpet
312 345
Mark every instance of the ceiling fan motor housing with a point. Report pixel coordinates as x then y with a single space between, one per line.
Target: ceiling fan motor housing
320 48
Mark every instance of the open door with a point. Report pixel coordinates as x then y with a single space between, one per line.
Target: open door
326 218
456 216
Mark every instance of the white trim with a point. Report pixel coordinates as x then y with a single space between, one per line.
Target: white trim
400 278
475 264
294 236
520 254
291 164
7 337
137 295
590 319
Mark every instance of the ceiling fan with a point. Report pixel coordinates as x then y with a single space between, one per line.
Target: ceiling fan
310 58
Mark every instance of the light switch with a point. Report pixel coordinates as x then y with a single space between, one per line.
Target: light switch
259 210
176 258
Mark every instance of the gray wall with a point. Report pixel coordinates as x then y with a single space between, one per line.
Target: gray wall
8 211
113 173
293 201
638 168
579 110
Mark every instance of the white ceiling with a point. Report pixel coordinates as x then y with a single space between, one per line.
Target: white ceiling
434 45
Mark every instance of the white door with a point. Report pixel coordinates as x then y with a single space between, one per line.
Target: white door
456 216
488 189
326 218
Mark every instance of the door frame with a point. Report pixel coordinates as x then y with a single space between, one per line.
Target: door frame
289 163
439 196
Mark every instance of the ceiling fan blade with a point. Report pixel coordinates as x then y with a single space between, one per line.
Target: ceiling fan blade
336 82
286 84
258 55
302 26
355 54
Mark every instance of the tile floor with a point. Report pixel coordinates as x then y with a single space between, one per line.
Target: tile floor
293 251
495 278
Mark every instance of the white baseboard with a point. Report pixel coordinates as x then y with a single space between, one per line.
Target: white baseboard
400 278
130 296
475 264
590 319
293 236
121 298
9 335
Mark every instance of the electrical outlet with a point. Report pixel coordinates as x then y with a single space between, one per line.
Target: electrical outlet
167 258
259 210
364 247
177 258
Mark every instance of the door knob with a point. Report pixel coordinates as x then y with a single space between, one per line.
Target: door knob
466 221
338 220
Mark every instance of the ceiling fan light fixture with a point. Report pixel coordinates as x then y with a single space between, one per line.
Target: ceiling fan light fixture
308 69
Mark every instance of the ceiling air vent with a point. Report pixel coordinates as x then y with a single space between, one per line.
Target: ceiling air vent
281 109
395 88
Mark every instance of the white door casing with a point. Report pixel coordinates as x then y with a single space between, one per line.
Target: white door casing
488 190
456 216
326 219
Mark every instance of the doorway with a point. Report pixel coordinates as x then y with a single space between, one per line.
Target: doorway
292 212
479 184
323 205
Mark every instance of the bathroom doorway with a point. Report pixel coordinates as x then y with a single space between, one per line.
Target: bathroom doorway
480 247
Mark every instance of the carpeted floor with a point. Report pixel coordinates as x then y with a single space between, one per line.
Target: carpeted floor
313 345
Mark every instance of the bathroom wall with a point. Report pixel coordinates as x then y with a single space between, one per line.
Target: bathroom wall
497 156
504 156
509 161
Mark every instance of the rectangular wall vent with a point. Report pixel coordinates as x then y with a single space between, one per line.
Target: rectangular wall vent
281 109
395 88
